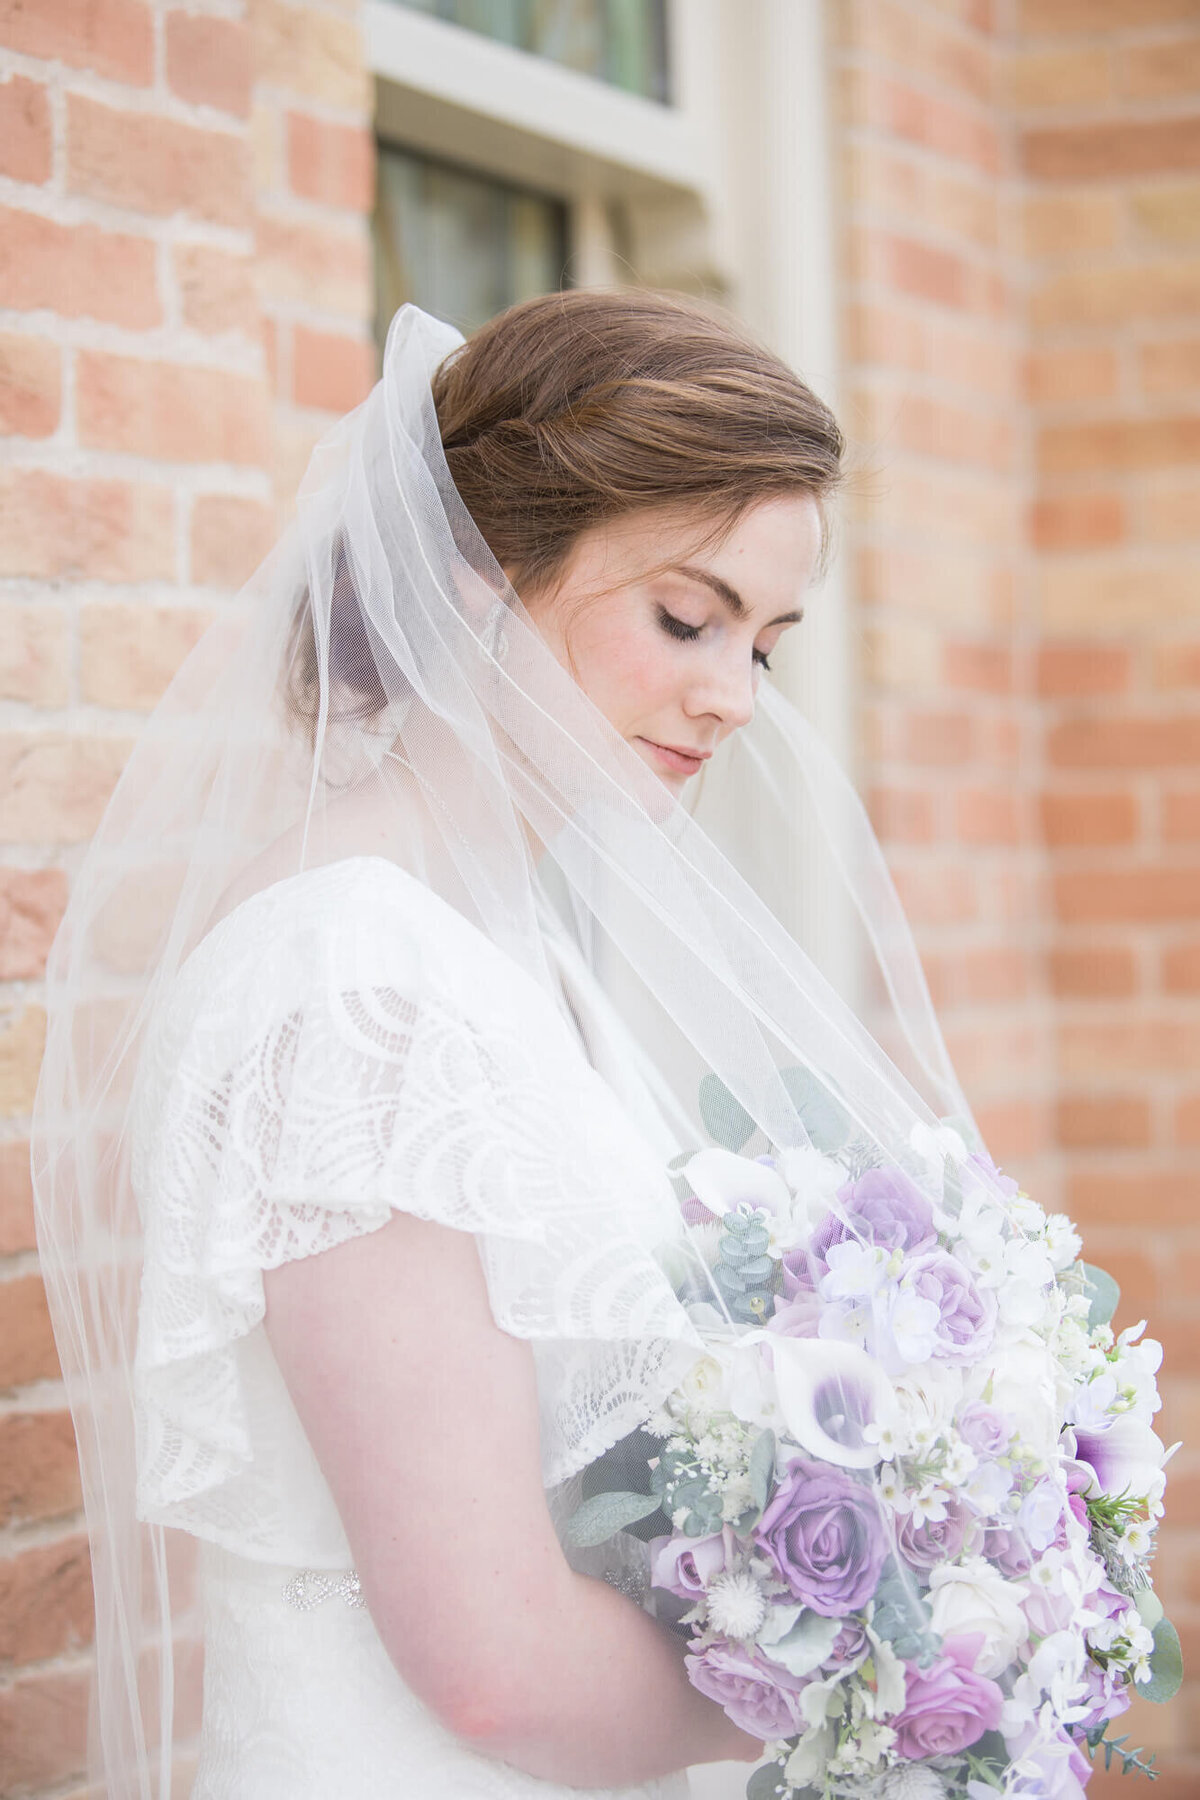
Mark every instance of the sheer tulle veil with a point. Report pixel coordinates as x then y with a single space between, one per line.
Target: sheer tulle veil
379 690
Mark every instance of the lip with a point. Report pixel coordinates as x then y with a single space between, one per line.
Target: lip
681 762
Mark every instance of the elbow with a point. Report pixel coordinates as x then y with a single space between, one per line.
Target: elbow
499 1719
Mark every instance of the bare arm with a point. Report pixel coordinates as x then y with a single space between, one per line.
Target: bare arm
423 1414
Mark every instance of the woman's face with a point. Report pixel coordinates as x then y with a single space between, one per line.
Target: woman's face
673 659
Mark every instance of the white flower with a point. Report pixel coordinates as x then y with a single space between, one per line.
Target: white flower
720 1180
703 1387
856 1271
988 1488
814 1180
828 1393
1062 1241
735 1604
1137 1540
1021 1385
910 1325
961 1463
935 1144
974 1597
929 1504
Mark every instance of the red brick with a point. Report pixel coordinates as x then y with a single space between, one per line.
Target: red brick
1133 896
208 62
1125 742
1119 445
114 38
1161 71
169 411
938 894
31 904
1181 816
1187 1120
54 786
78 271
1047 17
1011 1128
938 738
1126 293
961 133
1177 665
1092 973
26 151
334 164
45 1601
1075 821
129 653
16 1200
979 668
1075 670
1108 1122
217 290
1079 521
230 537
1171 367
313 264
43 1730
330 372
30 385
27 1350
903 816
154 164
1067 223
53 527
995 973
39 1470
987 816
1112 151
1155 1197
1135 1272
1181 968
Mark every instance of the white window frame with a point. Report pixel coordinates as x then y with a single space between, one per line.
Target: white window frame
727 189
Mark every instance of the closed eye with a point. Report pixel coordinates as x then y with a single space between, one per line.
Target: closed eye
687 634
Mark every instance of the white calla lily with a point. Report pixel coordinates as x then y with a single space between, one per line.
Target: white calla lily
829 1392
721 1180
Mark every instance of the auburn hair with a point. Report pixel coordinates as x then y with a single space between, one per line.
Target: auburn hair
569 410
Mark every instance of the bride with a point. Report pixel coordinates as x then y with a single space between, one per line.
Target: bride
380 1010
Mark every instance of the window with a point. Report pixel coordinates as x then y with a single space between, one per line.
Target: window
460 243
623 42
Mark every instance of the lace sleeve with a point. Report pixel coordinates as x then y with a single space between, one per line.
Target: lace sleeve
327 1055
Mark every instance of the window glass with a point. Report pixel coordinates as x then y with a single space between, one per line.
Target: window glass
460 244
620 41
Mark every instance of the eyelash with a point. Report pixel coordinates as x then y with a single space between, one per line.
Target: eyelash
687 634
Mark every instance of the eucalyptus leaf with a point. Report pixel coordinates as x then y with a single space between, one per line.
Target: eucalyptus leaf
762 1469
1166 1666
1150 1607
768 1782
807 1644
604 1515
1102 1292
725 1119
825 1119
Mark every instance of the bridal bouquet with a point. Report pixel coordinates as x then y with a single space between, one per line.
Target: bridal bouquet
912 1488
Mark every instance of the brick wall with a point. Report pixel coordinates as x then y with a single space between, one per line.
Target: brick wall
1106 100
1020 186
184 302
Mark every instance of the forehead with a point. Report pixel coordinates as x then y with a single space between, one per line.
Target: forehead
768 555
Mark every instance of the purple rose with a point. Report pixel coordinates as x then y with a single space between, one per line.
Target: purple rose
1008 1550
798 1317
925 1545
848 1646
883 1208
947 1707
825 1535
759 1696
685 1566
1057 1771
799 1276
966 1314
984 1429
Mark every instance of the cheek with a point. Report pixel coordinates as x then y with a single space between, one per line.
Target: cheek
621 667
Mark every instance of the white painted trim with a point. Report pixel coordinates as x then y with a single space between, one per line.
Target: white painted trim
602 139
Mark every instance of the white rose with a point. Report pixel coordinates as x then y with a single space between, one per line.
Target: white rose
975 1598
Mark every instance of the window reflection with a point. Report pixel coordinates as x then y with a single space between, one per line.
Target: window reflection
460 244
623 42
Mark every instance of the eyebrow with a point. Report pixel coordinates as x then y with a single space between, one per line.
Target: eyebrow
729 596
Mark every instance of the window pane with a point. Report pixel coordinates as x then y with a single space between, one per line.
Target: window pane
619 41
460 244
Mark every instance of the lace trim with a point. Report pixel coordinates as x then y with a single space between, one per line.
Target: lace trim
313 1587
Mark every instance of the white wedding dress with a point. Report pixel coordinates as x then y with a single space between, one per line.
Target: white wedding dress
342 1043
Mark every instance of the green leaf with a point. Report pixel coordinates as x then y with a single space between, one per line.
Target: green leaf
769 1782
1166 1666
762 1469
1150 1607
726 1119
604 1515
1102 1292
826 1121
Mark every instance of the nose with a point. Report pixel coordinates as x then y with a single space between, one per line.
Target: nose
725 693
